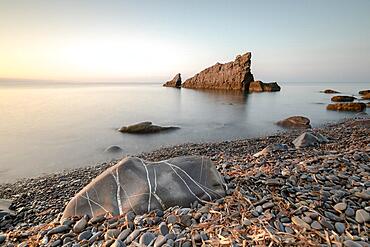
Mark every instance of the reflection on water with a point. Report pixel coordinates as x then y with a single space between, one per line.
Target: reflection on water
46 128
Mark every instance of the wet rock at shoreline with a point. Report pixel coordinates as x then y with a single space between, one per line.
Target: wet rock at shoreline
347 107
141 186
175 82
259 86
363 92
342 98
113 149
366 96
329 91
145 128
295 122
234 75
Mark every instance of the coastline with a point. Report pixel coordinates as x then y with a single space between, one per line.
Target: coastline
40 200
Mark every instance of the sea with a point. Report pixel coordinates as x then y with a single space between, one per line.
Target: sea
49 127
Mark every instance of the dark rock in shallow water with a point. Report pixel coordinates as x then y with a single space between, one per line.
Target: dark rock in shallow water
234 75
295 122
175 82
366 96
346 107
113 149
145 128
141 186
342 98
363 92
329 91
259 86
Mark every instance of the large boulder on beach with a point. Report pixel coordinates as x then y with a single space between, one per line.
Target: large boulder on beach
234 75
141 186
259 86
347 107
295 122
329 91
343 98
308 139
175 82
145 128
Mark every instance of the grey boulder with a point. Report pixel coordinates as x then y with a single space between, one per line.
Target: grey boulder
308 139
141 186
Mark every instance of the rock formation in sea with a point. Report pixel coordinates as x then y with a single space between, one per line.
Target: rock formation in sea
346 107
295 122
329 91
343 98
145 128
141 186
175 82
235 75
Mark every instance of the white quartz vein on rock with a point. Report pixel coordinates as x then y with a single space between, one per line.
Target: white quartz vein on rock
195 182
88 200
149 184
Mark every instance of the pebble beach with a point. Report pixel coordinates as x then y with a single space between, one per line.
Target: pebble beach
313 196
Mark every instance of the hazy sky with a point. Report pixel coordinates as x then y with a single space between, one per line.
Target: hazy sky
290 40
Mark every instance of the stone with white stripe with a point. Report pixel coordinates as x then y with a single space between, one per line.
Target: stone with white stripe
141 186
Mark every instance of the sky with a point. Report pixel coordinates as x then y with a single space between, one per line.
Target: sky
151 41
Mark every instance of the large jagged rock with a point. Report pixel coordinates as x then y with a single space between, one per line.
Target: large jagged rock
346 107
235 75
175 82
141 186
145 128
259 86
343 98
295 122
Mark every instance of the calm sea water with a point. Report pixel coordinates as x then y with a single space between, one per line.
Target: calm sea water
47 128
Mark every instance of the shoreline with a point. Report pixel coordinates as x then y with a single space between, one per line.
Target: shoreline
41 199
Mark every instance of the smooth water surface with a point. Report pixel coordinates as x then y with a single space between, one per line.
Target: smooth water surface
46 128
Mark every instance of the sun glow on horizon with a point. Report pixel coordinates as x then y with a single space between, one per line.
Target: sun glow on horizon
90 58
